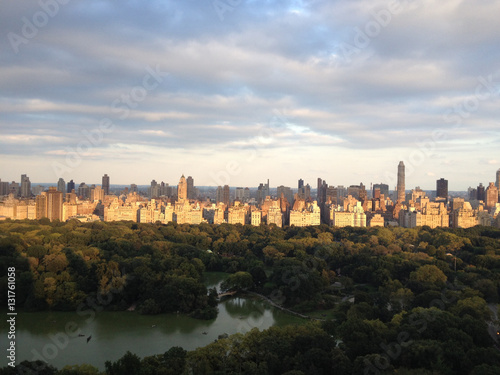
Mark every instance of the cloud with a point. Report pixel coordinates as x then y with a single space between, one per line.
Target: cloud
268 63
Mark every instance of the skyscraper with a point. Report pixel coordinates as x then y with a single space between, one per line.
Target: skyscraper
105 184
442 188
61 186
318 190
182 189
384 189
25 186
219 195
97 194
226 198
54 204
301 184
71 186
481 196
84 191
154 189
491 196
497 184
401 182
190 187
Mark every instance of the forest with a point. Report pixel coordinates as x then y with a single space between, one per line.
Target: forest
382 300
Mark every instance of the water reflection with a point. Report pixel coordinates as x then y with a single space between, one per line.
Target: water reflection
113 333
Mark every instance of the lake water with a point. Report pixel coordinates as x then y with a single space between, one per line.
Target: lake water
53 336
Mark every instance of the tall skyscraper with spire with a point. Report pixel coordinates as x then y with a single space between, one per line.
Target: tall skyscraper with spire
182 189
401 182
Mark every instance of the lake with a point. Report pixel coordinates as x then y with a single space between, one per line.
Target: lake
54 336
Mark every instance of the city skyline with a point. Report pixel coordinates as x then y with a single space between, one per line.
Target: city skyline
250 90
399 187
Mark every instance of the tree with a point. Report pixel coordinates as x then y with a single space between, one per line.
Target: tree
238 281
429 274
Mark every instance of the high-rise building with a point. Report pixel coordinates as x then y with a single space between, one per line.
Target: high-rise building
239 194
219 195
71 186
15 189
286 191
105 184
401 183
481 196
182 189
226 198
301 184
61 186
190 188
25 186
4 188
133 188
154 190
442 188
384 189
497 184
491 196
319 189
54 204
41 205
97 194
84 191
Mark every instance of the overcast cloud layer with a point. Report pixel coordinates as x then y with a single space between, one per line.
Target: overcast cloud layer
341 90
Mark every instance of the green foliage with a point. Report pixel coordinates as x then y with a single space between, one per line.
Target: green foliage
376 283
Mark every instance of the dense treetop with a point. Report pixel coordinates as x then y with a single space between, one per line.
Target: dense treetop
392 298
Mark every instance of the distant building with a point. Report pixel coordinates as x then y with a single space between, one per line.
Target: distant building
61 186
219 195
464 216
376 221
83 191
4 188
154 190
25 186
190 188
481 196
401 183
97 194
309 215
286 191
182 189
71 186
442 189
256 217
491 196
105 184
54 203
432 214
383 189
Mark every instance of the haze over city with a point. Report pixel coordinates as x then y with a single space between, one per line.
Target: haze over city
341 90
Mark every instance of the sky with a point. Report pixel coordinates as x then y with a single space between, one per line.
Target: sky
237 92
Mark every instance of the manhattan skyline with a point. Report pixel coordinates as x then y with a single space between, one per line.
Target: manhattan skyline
281 89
